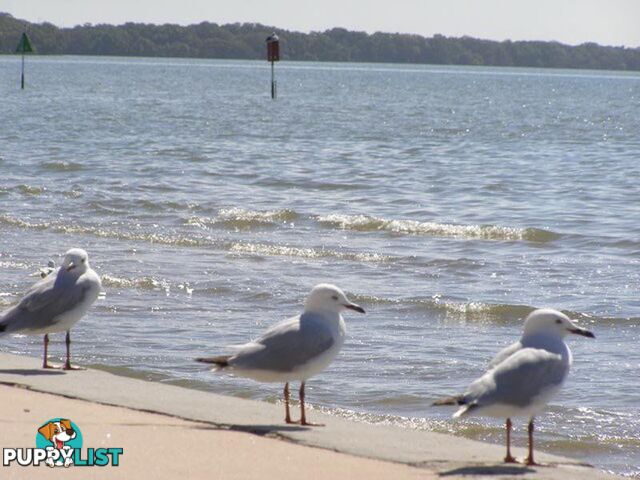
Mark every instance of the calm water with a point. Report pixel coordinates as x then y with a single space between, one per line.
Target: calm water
447 201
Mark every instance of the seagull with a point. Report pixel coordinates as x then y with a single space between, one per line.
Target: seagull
294 349
523 377
55 303
44 271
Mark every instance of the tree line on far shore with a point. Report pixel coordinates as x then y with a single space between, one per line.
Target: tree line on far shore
247 41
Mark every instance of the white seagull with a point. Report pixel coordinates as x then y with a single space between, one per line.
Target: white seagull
56 302
523 377
294 349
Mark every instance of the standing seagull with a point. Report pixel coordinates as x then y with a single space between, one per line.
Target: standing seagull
56 302
523 377
294 349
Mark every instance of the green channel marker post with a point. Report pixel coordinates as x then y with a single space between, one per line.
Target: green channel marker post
24 46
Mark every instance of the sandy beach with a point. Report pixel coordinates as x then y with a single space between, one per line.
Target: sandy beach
171 432
159 446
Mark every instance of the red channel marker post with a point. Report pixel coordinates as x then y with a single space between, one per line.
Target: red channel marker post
273 55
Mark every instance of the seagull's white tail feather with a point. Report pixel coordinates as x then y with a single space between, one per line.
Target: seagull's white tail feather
456 400
220 362
461 411
464 410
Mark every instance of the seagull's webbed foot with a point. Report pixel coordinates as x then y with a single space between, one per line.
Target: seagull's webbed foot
68 366
52 366
510 459
311 424
304 423
531 463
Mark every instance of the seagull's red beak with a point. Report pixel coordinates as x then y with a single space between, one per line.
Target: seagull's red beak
354 307
582 332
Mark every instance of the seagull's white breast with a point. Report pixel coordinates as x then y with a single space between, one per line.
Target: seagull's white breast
69 318
322 361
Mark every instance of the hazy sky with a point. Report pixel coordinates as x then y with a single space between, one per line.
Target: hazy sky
608 22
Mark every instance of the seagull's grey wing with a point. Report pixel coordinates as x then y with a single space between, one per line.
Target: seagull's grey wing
502 355
519 379
286 346
41 294
274 330
46 300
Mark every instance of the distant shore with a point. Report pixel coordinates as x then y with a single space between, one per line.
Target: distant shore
244 41
167 431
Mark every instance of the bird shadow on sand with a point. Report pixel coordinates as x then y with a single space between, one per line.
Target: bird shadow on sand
256 429
30 371
488 470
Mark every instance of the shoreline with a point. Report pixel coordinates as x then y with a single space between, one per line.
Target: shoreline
551 71
396 451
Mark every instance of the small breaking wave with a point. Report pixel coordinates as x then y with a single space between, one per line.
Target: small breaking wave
144 283
366 223
62 166
480 311
17 222
30 189
312 253
5 264
5 299
159 206
199 242
141 236
472 311
476 311
240 218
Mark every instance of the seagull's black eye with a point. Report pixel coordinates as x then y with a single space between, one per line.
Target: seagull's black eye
335 297
83 260
558 321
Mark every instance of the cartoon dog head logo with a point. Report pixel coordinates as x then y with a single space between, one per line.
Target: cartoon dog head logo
62 436
58 433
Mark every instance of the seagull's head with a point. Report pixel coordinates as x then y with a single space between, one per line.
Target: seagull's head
552 322
76 260
325 297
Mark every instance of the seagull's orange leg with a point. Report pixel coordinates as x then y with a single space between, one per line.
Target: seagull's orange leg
303 418
45 360
67 364
529 460
509 458
287 417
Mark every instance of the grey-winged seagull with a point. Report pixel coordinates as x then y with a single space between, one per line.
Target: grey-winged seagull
55 303
523 377
294 349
